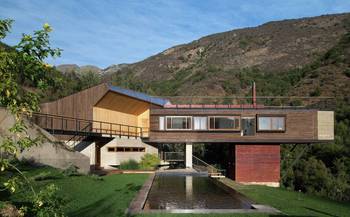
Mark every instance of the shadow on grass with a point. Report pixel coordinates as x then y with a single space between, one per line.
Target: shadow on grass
311 209
321 212
107 205
102 207
292 215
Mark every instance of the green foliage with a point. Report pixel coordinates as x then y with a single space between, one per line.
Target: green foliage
24 75
149 161
48 203
324 168
243 43
316 92
72 170
347 72
43 176
129 165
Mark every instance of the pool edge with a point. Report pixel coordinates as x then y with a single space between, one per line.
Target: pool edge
138 202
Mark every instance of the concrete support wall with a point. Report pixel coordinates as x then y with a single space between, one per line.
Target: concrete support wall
49 151
188 152
257 164
109 159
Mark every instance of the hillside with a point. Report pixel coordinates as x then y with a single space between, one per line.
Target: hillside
290 55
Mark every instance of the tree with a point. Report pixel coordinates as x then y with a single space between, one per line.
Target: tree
24 76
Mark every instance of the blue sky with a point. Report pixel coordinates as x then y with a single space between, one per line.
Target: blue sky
105 32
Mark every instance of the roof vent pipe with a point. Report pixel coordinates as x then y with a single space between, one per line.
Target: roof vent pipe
254 95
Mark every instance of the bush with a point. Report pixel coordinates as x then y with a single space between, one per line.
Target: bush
71 171
316 92
149 161
129 165
347 72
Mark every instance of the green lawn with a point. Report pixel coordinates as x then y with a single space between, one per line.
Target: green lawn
110 196
89 195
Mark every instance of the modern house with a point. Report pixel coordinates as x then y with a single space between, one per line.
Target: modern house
118 124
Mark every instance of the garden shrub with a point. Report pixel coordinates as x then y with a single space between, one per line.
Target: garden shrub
149 161
71 171
129 165
96 177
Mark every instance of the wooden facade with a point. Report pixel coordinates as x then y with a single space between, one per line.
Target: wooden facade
300 127
78 105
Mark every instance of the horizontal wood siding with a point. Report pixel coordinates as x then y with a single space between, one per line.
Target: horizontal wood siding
301 126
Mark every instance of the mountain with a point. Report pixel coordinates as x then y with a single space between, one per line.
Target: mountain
302 57
69 68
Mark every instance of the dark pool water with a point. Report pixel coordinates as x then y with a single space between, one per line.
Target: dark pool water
191 192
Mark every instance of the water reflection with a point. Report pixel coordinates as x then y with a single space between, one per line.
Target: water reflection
190 192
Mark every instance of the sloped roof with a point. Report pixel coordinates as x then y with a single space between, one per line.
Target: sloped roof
139 95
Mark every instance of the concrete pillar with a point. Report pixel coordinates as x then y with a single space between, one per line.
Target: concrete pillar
188 152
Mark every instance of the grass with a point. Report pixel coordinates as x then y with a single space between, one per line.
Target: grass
87 195
110 196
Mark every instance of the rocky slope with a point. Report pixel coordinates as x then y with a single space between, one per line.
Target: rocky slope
303 57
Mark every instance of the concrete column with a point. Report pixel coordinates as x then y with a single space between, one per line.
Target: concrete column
188 153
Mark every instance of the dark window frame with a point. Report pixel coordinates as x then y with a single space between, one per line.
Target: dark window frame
225 116
179 129
126 149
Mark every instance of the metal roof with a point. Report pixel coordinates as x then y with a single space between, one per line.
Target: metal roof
139 95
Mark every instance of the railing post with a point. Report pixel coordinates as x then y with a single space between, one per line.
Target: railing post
135 132
128 131
120 131
53 131
76 125
110 129
100 127
62 123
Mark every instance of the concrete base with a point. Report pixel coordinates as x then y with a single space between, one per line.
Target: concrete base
270 184
49 152
188 152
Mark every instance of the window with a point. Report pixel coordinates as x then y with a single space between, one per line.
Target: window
120 149
178 123
126 149
161 123
224 123
111 149
271 123
200 123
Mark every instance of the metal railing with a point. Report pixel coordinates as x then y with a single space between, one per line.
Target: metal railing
173 156
57 124
242 102
202 166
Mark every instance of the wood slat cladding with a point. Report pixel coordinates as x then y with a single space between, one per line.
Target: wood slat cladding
78 105
301 127
257 163
122 103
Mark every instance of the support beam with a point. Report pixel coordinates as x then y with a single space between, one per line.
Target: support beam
188 155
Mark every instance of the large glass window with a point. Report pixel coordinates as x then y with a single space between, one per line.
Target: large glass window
224 123
178 123
200 123
271 123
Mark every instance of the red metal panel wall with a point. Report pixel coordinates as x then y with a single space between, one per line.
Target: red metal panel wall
257 163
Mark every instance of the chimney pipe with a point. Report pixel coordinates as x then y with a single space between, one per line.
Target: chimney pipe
254 95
